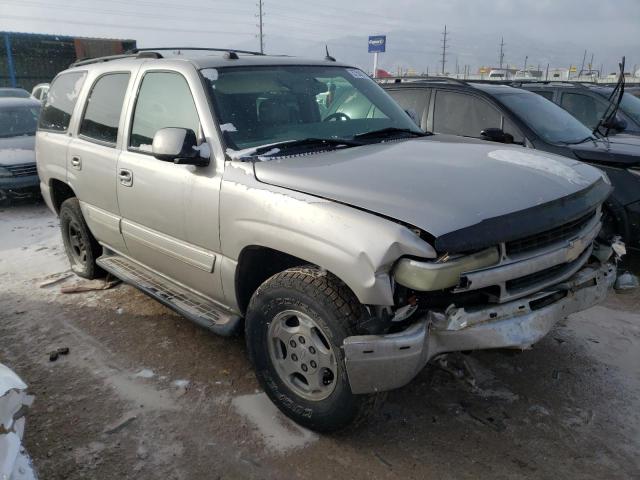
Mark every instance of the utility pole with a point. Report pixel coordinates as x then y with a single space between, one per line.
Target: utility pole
444 48
501 51
526 57
584 57
261 24
591 63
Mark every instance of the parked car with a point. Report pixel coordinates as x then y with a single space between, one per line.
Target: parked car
40 91
349 246
589 102
14 92
18 172
501 113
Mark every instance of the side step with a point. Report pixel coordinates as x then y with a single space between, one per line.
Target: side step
196 308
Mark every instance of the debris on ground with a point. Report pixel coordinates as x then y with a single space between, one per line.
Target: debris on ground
53 355
626 283
53 281
91 285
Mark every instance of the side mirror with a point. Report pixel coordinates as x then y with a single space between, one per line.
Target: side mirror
496 135
177 145
617 123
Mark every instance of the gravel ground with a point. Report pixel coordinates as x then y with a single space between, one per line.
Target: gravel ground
143 393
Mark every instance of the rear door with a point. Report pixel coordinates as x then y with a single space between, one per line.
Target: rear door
93 156
169 211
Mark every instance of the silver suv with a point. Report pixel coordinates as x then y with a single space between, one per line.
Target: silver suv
295 201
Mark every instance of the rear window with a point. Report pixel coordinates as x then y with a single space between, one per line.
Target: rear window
104 106
62 97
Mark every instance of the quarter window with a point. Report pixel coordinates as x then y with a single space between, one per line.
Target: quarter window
104 107
62 97
164 101
461 114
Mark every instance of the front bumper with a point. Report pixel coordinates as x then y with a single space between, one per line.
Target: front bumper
19 187
384 362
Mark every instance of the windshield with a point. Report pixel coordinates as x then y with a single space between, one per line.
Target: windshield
16 121
549 121
259 106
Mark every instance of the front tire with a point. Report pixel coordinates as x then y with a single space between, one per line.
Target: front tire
81 247
295 325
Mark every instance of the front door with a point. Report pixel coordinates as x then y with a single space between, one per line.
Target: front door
169 212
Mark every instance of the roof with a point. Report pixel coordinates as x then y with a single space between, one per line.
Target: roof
12 102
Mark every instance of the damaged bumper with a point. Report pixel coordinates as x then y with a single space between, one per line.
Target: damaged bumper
384 362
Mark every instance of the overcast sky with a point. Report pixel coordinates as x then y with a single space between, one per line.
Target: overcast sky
609 28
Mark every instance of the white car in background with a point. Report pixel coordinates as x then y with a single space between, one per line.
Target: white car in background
40 91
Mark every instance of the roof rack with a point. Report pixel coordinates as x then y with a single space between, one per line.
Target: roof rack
418 79
154 53
519 83
229 50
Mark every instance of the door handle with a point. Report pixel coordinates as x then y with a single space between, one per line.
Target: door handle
126 177
76 162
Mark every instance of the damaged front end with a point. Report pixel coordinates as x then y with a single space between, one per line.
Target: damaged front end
507 296
15 463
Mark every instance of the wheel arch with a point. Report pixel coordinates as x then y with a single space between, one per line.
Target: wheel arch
60 191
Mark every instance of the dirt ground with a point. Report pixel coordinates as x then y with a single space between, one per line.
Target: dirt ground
145 394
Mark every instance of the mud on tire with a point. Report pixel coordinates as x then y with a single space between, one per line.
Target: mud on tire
295 325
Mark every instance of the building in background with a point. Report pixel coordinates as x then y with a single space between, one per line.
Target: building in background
27 59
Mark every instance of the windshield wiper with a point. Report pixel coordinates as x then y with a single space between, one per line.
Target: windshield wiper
389 132
274 148
612 109
590 137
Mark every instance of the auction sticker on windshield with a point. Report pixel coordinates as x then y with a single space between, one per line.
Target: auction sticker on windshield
357 73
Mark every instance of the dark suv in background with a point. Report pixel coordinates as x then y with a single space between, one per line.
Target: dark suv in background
588 102
501 113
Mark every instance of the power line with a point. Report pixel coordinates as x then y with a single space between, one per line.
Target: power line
110 25
444 48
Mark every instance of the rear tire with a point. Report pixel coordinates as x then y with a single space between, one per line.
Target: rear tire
295 325
81 247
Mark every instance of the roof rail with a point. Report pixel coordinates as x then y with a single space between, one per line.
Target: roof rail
247 52
89 61
519 83
419 78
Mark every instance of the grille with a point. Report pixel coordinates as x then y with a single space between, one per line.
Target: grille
543 277
548 237
23 170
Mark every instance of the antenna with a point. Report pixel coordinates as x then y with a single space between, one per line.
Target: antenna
444 48
327 56
501 51
260 16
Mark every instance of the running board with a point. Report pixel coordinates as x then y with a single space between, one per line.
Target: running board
196 308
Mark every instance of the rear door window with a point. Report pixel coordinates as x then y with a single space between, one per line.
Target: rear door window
414 101
462 114
584 107
61 100
104 107
164 100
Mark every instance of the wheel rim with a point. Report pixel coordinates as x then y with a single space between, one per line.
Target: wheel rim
302 355
76 242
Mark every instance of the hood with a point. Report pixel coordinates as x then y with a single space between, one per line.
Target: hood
617 150
17 150
443 186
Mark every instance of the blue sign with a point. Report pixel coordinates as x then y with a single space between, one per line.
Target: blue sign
377 43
